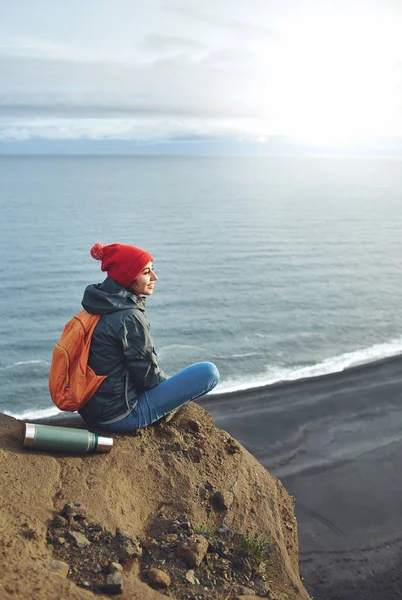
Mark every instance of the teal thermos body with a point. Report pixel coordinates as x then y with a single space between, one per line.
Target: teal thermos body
64 439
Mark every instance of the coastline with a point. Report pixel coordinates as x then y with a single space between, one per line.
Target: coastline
335 442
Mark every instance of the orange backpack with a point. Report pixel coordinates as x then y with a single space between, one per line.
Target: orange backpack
72 382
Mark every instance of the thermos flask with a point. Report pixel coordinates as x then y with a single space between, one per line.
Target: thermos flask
64 439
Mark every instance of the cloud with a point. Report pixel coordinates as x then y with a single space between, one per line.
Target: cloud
218 16
175 86
22 46
156 41
299 67
113 107
146 129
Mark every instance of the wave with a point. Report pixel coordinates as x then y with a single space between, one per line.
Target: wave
241 355
20 363
334 364
38 413
272 375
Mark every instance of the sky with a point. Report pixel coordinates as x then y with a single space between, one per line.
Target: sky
157 71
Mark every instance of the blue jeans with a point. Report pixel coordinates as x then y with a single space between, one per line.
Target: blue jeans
190 383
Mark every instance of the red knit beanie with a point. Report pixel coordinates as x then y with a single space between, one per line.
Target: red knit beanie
123 263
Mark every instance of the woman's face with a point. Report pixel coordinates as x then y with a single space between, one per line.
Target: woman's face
144 284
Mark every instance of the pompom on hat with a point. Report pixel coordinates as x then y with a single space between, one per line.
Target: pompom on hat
123 263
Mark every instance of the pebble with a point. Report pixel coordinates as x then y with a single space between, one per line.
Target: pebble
224 530
193 550
115 567
262 584
194 425
59 566
79 539
190 577
158 578
186 525
150 543
114 583
60 540
60 521
126 546
232 446
74 510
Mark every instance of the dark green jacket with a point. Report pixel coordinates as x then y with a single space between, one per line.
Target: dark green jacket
122 349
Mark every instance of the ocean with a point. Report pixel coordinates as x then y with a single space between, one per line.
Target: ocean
275 269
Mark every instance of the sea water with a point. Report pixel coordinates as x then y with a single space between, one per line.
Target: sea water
273 268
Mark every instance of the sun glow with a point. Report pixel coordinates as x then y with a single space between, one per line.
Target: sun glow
337 82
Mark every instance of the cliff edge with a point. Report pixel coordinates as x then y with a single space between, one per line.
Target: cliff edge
179 509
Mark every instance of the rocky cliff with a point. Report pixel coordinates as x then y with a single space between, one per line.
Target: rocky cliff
179 509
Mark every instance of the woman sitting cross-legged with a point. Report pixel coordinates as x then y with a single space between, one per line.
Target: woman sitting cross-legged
136 392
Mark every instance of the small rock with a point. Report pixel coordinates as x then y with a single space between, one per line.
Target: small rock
97 568
95 536
58 566
190 577
225 531
193 550
126 546
220 547
74 510
194 425
79 539
59 540
171 538
246 591
158 578
150 543
114 583
232 446
114 567
245 597
60 521
186 525
261 584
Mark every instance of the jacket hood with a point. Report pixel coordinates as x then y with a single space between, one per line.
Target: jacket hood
109 296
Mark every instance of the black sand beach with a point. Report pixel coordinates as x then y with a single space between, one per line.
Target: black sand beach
336 444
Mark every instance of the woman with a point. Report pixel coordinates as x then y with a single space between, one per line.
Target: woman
136 391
